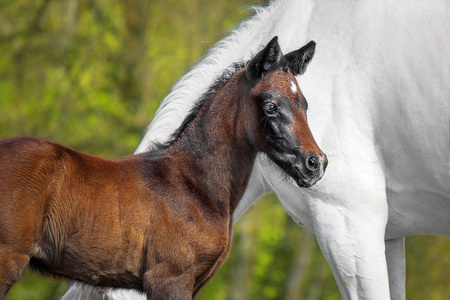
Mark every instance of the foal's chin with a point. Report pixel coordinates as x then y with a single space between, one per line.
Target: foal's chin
294 171
302 176
305 183
305 180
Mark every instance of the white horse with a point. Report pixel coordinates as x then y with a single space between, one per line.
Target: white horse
379 106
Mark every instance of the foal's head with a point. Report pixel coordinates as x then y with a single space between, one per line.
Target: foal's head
282 130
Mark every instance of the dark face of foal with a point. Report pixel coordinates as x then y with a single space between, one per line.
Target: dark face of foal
286 137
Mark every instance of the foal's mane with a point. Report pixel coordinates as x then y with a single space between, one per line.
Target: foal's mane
189 87
226 75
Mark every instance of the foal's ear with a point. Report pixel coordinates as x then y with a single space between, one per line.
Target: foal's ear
299 59
265 61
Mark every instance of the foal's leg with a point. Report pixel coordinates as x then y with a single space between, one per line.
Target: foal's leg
161 284
12 265
16 237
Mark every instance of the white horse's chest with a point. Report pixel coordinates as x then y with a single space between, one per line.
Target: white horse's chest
379 112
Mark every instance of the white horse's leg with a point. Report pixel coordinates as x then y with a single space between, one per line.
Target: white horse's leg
395 257
354 248
81 291
349 212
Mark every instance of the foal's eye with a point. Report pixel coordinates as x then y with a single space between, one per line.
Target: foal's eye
270 108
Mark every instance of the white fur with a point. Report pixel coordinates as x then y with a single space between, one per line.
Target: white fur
378 90
294 88
80 291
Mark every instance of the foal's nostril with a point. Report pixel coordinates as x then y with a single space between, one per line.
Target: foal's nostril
312 163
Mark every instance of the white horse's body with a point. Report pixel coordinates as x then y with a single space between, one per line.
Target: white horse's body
379 104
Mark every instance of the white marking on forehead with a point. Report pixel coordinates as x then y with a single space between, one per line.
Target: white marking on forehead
293 87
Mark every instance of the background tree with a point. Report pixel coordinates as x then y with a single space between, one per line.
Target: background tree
90 74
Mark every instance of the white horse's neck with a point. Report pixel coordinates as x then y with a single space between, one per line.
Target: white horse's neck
359 83
239 45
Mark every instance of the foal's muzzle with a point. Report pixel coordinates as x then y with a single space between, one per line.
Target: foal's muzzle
310 170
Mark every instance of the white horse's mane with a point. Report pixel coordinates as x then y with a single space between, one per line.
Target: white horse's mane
177 104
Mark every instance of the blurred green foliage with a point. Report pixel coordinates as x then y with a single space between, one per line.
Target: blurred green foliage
90 74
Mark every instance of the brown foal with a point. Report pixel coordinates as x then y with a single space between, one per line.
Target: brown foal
159 222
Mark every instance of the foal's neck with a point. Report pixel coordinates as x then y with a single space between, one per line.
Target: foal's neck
216 142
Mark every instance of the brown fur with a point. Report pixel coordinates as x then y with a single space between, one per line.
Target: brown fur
159 222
